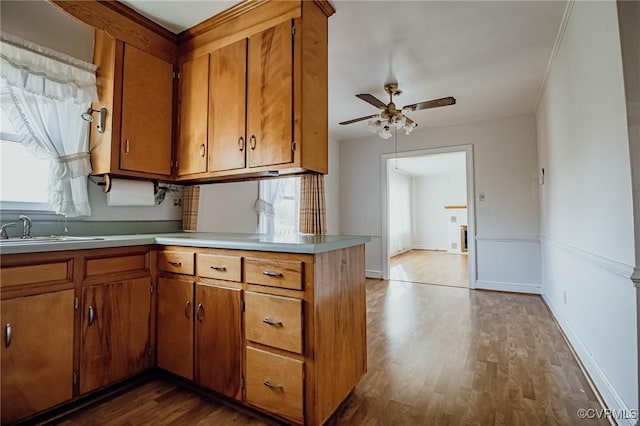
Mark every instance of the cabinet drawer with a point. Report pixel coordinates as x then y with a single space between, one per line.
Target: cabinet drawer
178 262
274 273
219 267
274 383
114 264
57 272
274 321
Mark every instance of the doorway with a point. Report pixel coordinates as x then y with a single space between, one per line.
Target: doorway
428 217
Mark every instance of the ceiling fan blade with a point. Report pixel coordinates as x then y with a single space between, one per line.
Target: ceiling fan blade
432 104
372 100
355 120
409 121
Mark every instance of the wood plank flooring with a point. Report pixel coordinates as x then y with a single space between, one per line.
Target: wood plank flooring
437 356
430 267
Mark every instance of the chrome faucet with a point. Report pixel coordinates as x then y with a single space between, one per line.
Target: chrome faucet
26 226
3 230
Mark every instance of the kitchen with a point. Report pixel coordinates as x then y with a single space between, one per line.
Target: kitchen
348 194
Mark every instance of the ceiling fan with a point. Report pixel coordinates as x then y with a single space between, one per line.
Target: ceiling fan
389 116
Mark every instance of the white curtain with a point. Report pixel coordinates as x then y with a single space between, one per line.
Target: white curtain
269 191
43 94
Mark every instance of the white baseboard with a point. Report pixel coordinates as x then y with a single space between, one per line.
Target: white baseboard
373 274
602 383
426 247
510 287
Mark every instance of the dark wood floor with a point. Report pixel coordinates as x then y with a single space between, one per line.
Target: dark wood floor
437 356
430 267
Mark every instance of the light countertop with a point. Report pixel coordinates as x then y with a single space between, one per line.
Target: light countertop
296 243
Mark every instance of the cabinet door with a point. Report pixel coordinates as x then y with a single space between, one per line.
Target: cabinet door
192 137
115 332
37 353
147 102
270 98
219 339
175 326
227 107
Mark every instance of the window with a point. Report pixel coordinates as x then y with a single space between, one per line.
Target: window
23 177
286 208
278 206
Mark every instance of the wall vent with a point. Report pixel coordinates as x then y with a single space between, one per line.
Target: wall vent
454 219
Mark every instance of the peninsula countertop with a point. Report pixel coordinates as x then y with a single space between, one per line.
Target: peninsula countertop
286 243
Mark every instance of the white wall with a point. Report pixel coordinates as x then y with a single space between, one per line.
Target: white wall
507 223
431 221
586 202
43 23
400 223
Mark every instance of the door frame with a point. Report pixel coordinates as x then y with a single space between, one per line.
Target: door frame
386 161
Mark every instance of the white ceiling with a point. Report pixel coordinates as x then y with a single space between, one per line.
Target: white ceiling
432 164
490 55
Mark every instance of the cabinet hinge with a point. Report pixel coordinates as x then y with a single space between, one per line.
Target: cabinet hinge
293 146
151 288
241 382
176 75
293 29
76 303
150 351
74 378
242 305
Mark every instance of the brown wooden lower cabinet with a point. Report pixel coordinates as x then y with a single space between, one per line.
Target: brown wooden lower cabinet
175 326
115 332
275 383
218 355
37 353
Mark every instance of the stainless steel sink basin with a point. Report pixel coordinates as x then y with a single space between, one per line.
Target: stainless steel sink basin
50 239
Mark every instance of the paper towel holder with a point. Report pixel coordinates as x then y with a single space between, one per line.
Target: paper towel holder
102 117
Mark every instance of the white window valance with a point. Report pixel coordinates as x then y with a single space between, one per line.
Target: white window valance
43 94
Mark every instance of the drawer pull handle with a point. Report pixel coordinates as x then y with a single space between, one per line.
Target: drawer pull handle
92 314
241 144
202 151
200 312
174 263
218 268
272 322
7 337
187 309
252 142
272 274
271 385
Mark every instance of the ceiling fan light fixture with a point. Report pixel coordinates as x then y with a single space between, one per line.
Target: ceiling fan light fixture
408 128
385 132
374 125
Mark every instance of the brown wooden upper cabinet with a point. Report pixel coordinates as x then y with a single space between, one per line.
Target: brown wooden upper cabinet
257 104
136 88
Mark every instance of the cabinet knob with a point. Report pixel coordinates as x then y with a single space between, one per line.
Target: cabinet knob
92 314
252 142
270 385
7 336
241 143
200 312
187 309
202 150
272 322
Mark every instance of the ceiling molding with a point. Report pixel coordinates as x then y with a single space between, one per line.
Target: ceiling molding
139 19
125 24
219 19
326 7
554 51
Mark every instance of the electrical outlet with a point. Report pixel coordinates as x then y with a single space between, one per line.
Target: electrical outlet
481 196
177 202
